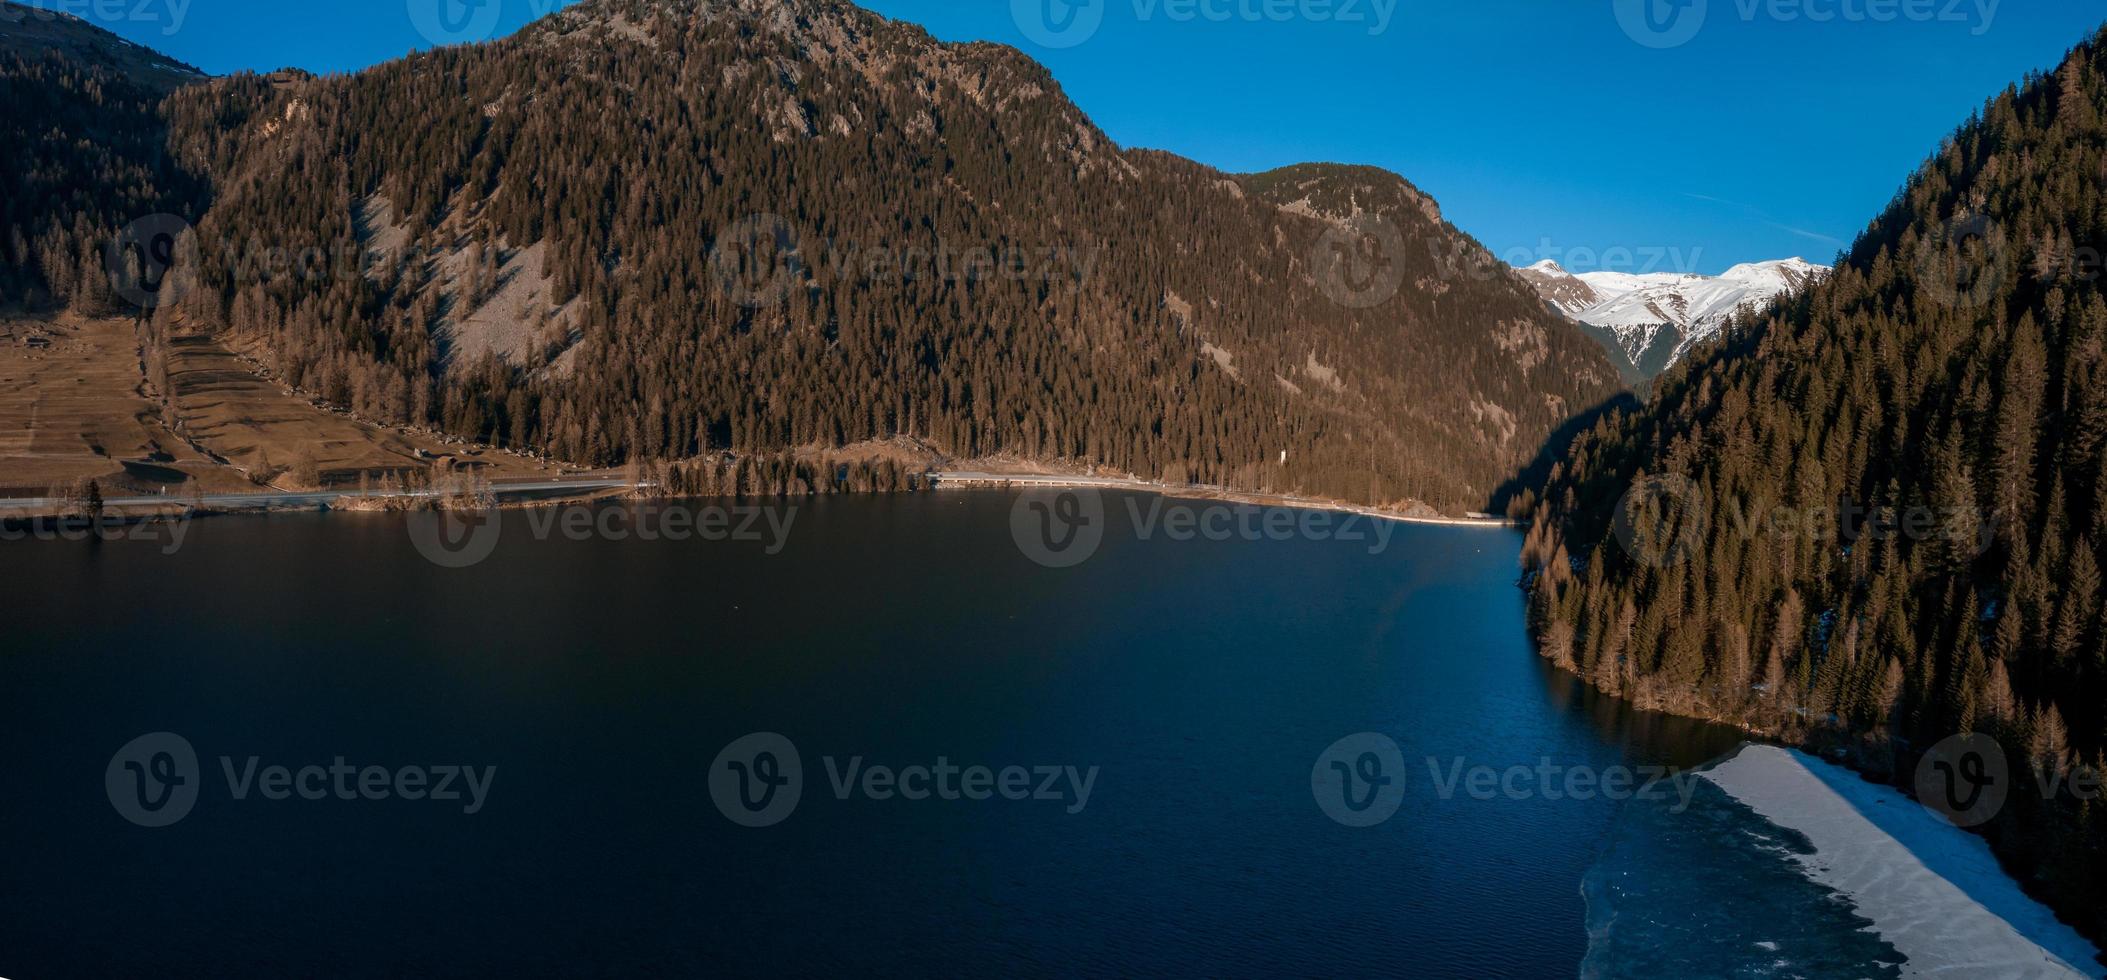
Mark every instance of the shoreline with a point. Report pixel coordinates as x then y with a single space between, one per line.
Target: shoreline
969 480
1932 890
1844 750
156 508
166 508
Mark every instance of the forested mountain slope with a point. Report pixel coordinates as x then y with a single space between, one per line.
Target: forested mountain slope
83 153
1951 372
664 228
38 34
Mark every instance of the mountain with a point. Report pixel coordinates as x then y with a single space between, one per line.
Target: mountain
670 229
83 153
1650 321
1712 554
1566 292
35 34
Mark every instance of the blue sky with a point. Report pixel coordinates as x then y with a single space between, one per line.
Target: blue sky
1719 132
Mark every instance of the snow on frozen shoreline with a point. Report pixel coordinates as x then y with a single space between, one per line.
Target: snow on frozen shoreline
1933 892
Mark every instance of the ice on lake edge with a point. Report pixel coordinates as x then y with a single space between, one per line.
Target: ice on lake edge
1933 891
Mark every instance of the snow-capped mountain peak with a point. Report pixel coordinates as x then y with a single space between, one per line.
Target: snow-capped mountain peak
1561 289
1781 275
1652 319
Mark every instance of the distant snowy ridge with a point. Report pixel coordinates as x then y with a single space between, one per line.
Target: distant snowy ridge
1653 319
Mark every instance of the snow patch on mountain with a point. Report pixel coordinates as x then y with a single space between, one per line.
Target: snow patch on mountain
1653 319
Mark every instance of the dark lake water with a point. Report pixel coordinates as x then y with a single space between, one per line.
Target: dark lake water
596 684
